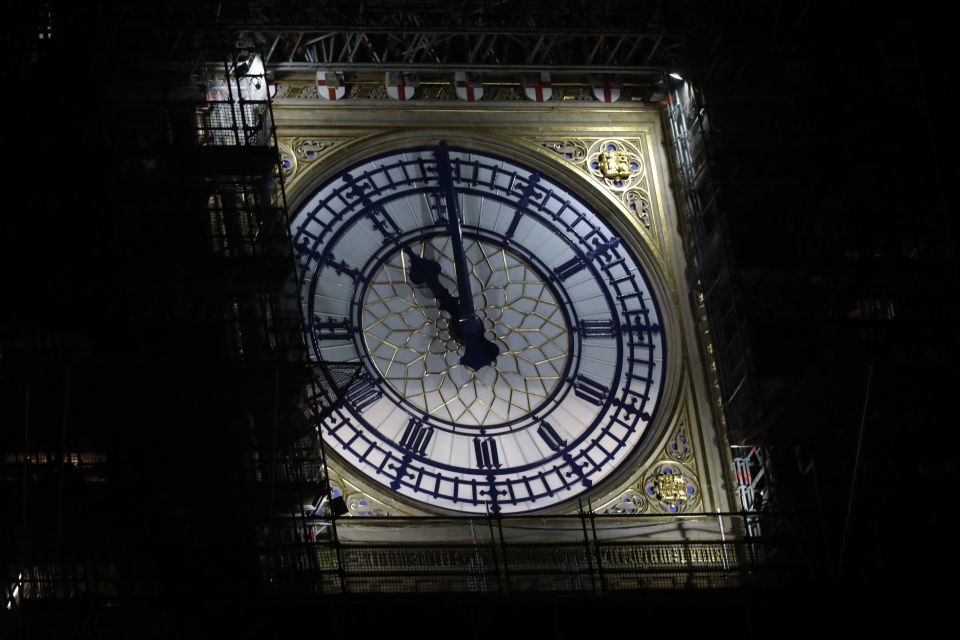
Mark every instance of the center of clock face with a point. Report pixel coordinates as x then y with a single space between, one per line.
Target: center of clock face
412 344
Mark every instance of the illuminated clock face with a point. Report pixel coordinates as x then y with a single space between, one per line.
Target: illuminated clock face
512 351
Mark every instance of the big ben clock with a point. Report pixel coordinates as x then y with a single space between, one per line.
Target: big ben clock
512 337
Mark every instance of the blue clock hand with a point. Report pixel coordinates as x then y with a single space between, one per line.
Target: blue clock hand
426 271
478 351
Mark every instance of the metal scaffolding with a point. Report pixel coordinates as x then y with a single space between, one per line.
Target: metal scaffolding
707 238
206 392
467 35
586 553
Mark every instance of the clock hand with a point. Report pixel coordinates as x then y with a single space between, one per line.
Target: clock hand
426 271
478 351
455 229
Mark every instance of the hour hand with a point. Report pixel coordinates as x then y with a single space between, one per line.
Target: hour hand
478 352
425 271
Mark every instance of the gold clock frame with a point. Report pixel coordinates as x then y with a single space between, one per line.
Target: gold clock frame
687 445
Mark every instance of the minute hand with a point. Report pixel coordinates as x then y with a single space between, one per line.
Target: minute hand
478 351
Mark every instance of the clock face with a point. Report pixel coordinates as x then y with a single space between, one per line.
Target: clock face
512 349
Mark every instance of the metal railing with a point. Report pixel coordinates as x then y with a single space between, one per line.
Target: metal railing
502 557
586 553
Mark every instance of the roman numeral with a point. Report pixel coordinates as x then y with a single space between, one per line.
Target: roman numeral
591 391
597 329
609 329
331 328
416 436
550 436
487 456
362 393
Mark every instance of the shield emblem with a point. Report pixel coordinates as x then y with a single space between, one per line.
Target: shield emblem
400 91
329 86
605 92
468 89
538 89
399 87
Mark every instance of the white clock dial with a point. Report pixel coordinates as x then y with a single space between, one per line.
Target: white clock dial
412 345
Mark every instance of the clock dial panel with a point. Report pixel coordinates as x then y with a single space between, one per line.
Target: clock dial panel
412 343
579 365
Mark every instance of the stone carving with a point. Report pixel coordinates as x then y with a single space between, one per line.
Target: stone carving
307 149
618 164
630 502
638 202
671 487
679 447
573 151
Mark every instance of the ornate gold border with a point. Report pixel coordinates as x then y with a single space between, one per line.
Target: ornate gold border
362 137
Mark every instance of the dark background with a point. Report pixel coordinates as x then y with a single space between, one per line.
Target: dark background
833 159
